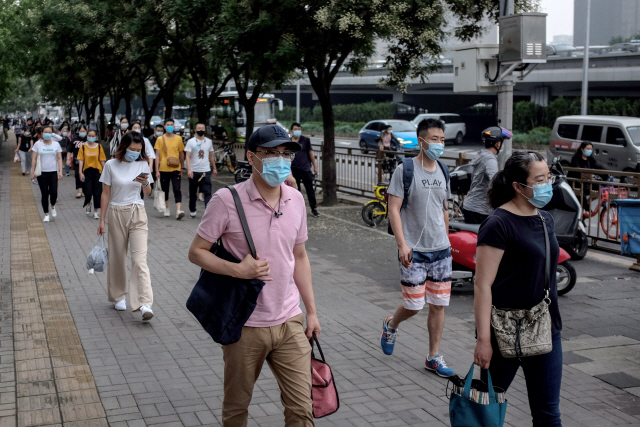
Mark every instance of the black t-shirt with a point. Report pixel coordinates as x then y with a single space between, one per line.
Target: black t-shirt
302 160
25 143
519 283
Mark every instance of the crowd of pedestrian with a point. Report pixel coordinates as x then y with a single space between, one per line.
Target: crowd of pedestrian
512 240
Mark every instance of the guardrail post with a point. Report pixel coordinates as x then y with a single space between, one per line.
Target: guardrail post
379 155
461 160
636 266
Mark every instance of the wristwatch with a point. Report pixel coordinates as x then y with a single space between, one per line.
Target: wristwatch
144 185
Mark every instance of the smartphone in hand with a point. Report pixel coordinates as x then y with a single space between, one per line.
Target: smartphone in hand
142 175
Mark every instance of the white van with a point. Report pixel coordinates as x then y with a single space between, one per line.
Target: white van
615 139
454 128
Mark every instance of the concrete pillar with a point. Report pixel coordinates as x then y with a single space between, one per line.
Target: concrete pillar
540 95
398 97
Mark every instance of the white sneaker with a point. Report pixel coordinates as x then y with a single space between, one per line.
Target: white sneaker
192 214
121 305
180 215
147 314
87 209
96 215
167 212
53 212
46 218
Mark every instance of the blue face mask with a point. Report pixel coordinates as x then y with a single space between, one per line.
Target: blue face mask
131 156
46 136
588 153
91 138
275 170
169 129
159 134
297 133
542 194
434 151
82 134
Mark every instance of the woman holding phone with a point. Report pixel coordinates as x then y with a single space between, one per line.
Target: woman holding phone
123 177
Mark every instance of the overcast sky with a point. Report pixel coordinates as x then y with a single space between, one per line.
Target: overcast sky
560 17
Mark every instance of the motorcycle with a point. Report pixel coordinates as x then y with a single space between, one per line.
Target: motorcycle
243 172
464 239
565 209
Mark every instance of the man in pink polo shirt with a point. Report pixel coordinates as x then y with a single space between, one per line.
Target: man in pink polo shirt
275 332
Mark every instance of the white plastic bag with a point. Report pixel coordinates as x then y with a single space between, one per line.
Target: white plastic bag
98 258
16 158
38 170
158 201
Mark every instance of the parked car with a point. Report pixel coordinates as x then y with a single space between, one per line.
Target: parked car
616 140
156 120
454 128
625 47
403 130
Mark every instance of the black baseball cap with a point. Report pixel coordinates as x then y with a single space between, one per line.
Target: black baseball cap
271 136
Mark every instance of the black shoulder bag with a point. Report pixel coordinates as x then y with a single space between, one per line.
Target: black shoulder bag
223 304
522 333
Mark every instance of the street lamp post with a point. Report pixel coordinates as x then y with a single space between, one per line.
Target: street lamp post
585 65
298 101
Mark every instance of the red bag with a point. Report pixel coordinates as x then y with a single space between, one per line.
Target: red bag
323 388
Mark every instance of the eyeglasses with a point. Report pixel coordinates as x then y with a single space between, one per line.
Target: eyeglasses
276 153
551 180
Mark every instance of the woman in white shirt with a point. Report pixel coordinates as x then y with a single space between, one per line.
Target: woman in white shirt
123 176
49 153
151 153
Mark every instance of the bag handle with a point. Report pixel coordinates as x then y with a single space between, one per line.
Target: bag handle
466 392
315 338
243 220
98 241
164 144
547 257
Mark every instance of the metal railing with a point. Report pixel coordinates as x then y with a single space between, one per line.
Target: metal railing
596 196
357 172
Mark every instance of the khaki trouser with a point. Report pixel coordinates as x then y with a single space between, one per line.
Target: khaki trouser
288 353
128 228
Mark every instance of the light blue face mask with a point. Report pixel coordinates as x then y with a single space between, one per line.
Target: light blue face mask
542 194
169 129
131 156
297 133
275 170
159 134
91 138
46 136
588 153
82 134
434 151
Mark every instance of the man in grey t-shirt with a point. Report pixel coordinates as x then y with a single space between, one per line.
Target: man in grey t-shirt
476 206
421 231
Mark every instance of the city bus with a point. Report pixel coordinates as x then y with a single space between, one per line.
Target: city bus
229 110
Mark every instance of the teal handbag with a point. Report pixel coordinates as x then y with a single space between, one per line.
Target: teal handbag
474 407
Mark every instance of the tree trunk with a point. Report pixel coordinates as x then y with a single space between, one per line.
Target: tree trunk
86 107
168 103
329 184
127 105
102 125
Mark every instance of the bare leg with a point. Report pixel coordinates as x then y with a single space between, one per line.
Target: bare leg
401 315
435 325
179 206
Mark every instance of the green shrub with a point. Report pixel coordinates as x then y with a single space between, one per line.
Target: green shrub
539 136
351 113
525 116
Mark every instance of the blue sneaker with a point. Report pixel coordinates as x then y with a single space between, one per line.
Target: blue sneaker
388 339
439 366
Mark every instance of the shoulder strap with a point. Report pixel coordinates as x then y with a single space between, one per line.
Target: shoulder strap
407 178
445 171
164 144
547 256
243 221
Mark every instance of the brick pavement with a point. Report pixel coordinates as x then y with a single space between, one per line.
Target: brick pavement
169 372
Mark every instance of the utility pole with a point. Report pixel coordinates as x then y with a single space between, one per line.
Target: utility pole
585 65
505 97
298 101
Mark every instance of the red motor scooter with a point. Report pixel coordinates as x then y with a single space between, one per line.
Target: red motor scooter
464 239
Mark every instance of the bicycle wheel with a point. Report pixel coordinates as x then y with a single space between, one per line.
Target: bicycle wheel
609 221
231 163
455 210
373 213
593 205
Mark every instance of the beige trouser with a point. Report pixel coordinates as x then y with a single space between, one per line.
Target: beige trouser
128 228
288 353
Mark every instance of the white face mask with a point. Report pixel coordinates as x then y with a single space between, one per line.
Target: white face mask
124 125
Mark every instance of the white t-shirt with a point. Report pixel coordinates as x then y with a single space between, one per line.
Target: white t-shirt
48 155
151 153
199 150
120 176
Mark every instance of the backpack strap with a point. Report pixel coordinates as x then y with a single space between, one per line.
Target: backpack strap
447 178
407 178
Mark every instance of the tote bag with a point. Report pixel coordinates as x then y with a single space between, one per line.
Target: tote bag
475 408
323 388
